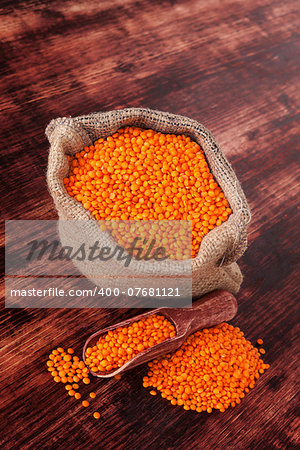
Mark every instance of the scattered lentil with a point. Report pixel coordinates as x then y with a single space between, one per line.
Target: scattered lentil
96 415
65 367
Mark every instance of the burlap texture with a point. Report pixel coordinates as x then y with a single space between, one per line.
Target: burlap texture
215 265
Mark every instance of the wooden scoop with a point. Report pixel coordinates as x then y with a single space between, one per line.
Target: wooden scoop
211 309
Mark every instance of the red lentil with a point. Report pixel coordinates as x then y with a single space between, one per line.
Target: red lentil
65 367
147 175
212 370
120 345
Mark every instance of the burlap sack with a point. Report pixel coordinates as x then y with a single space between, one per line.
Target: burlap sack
215 265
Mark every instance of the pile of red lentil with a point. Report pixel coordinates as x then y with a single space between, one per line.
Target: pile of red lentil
213 369
138 174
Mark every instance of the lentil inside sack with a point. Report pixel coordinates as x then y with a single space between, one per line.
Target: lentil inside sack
138 174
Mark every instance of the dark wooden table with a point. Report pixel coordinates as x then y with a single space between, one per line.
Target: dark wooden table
233 66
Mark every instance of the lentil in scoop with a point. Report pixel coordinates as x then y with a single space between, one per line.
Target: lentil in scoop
118 346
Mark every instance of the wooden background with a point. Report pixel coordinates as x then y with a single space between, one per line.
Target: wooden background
233 66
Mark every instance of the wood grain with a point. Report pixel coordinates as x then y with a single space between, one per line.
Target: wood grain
231 65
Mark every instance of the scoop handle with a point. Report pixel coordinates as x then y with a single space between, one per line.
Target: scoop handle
213 308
